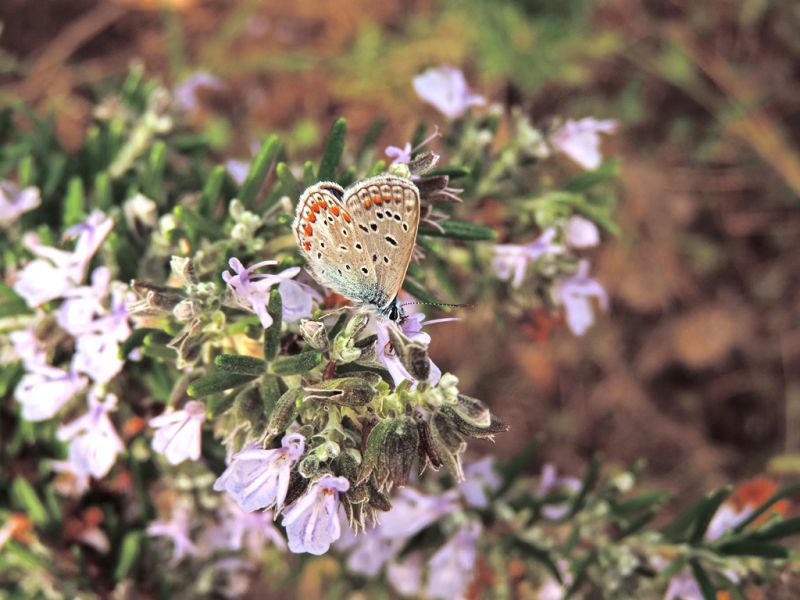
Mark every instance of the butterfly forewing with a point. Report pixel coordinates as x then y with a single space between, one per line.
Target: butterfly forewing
359 241
385 210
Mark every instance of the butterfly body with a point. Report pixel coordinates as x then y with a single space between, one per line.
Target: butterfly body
358 241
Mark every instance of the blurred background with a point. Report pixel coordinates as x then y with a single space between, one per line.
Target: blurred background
696 368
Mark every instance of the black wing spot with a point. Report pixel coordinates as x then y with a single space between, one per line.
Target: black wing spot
330 218
319 254
373 226
347 267
405 226
359 246
343 248
339 271
386 259
344 232
364 270
391 240
397 217
363 228
379 214
374 258
322 244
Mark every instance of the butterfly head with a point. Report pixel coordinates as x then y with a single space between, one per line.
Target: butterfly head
394 312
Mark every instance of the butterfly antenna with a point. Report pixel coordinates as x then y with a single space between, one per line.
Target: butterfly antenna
438 304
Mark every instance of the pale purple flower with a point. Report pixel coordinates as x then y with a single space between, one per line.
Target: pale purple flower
15 201
84 302
511 260
54 272
580 140
186 92
552 589
412 511
177 530
550 482
178 433
312 523
251 291
404 154
400 155
91 234
446 89
238 170
372 551
412 329
726 518
240 529
97 355
28 348
480 480
452 568
575 294
94 443
257 478
45 390
405 575
582 233
683 587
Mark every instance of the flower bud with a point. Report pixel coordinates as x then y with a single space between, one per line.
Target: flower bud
183 269
400 450
427 449
284 413
314 334
448 443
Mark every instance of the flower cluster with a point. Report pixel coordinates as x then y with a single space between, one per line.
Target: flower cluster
91 318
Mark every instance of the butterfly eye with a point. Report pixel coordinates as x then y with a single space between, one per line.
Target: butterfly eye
393 313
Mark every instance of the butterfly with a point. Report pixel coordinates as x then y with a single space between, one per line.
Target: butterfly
358 241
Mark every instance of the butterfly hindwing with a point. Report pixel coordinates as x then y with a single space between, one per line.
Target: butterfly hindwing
326 233
385 210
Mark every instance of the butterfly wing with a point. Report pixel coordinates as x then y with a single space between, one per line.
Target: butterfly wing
334 248
385 213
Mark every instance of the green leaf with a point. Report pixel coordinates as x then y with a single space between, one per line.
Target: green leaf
309 173
130 549
217 382
272 334
156 163
753 548
211 191
779 529
460 230
332 153
419 293
538 554
579 569
371 137
134 340
706 587
294 365
270 392
636 524
74 203
196 224
291 187
246 365
452 171
589 481
259 170
588 179
103 191
621 507
684 526
26 498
